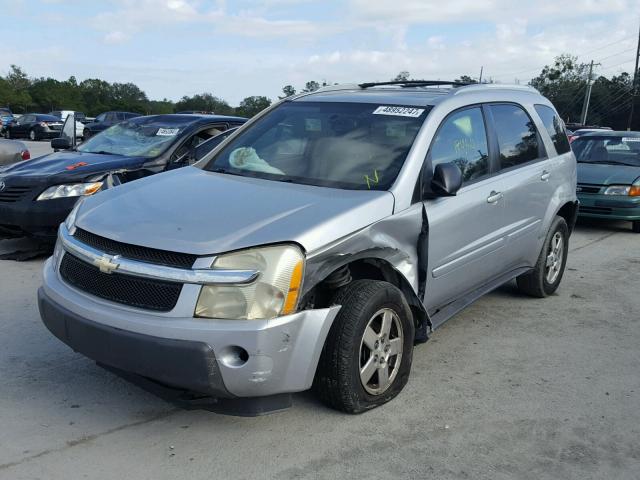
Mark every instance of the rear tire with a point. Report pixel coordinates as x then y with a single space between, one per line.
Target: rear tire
7 134
545 277
367 356
86 135
33 136
635 226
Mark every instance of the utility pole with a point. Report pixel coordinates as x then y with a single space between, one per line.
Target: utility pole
634 86
482 68
587 96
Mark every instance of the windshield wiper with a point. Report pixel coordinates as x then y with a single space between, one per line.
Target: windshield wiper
103 152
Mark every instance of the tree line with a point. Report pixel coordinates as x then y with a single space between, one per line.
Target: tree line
564 82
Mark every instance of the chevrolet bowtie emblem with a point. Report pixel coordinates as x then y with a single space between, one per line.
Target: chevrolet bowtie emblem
106 263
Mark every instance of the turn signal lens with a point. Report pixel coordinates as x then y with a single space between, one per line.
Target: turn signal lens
291 301
634 191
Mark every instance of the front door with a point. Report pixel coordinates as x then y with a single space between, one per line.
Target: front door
466 232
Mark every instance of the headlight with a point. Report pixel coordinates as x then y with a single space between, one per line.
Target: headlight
70 190
273 294
624 190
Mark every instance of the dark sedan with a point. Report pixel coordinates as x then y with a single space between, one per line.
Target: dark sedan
104 121
609 176
34 126
38 195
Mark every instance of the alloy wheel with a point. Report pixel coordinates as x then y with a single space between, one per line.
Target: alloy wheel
555 258
381 351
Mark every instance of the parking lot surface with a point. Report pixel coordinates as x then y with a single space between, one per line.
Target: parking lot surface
513 387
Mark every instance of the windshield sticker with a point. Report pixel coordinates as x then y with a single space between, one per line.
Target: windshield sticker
399 111
375 179
77 165
630 139
167 132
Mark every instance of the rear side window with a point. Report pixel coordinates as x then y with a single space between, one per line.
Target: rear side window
462 139
554 127
517 135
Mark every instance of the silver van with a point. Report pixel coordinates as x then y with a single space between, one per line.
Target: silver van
319 243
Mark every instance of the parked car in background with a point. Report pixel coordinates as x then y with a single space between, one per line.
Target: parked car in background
104 121
12 151
583 131
6 118
79 116
316 245
39 194
195 112
609 176
34 126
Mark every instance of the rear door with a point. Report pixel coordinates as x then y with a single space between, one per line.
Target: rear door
525 174
466 232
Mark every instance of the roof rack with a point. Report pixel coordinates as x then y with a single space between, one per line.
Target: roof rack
416 83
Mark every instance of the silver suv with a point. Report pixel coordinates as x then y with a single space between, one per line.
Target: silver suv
319 243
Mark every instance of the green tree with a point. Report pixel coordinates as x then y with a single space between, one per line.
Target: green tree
204 102
288 91
403 76
250 106
311 86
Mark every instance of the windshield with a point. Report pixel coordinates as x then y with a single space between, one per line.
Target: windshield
134 139
618 150
344 145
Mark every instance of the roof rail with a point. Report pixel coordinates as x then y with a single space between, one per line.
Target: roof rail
417 83
497 86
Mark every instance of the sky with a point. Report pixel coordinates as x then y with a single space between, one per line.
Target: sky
235 49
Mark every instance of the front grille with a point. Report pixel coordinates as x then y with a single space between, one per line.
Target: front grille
13 194
138 292
598 210
586 188
135 252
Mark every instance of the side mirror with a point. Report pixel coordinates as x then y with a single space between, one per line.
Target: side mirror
61 143
446 180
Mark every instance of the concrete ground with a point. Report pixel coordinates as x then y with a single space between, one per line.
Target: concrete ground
512 388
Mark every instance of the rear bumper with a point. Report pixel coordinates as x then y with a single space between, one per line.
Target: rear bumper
174 348
609 206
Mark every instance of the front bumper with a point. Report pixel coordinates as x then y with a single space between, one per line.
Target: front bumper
185 352
28 217
609 206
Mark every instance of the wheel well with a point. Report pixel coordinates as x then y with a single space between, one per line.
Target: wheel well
569 211
321 295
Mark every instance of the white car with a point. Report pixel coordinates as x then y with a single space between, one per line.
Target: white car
63 114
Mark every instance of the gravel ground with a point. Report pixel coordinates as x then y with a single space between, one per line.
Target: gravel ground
513 387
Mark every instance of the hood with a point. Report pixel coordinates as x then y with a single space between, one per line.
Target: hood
66 164
193 211
606 174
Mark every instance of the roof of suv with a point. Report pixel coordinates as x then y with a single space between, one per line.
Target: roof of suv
406 93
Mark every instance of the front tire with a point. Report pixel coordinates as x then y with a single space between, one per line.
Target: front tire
367 356
32 135
7 134
545 277
635 226
86 135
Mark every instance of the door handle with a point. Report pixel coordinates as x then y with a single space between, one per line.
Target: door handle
545 176
494 197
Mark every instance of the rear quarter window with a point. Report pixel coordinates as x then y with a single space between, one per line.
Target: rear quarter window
555 128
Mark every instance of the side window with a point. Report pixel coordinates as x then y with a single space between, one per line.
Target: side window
555 128
110 118
101 117
517 135
462 139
